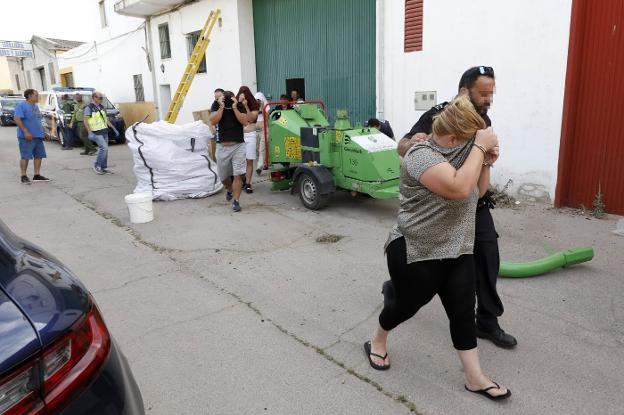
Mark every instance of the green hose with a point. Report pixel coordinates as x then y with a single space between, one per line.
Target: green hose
545 265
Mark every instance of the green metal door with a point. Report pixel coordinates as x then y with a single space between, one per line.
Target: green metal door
329 43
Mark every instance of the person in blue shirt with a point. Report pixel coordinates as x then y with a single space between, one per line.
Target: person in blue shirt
30 136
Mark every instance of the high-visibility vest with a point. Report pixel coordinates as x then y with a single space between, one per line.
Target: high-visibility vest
98 120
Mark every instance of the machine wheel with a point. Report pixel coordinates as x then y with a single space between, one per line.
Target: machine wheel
2 122
309 192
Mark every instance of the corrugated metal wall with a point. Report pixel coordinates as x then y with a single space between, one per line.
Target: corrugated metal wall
592 144
329 43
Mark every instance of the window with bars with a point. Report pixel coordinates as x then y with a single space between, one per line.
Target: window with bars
17 82
191 41
165 44
139 95
413 41
28 80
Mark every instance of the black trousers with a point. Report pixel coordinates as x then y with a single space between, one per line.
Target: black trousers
417 283
487 264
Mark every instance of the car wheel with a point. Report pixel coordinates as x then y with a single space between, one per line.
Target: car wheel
2 123
120 140
310 192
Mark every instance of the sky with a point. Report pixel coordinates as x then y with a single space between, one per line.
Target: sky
61 19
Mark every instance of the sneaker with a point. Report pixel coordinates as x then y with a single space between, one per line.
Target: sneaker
106 171
84 153
93 152
236 207
98 170
39 178
248 189
228 196
26 180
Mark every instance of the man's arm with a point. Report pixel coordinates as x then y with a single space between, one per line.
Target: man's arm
242 118
216 111
21 126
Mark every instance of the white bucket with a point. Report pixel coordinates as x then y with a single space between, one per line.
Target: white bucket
140 207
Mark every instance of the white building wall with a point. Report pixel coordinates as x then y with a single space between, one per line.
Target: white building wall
526 42
230 57
117 54
43 56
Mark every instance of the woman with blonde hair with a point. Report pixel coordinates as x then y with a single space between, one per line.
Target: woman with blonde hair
430 250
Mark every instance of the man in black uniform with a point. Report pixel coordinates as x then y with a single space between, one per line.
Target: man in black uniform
478 84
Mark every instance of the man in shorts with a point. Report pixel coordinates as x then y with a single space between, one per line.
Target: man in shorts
30 136
229 117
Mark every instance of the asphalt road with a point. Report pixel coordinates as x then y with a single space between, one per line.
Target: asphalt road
223 313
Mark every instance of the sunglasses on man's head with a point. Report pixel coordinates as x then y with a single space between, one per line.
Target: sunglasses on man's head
486 70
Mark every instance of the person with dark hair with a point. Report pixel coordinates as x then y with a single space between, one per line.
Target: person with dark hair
77 124
30 136
68 108
477 83
430 249
252 110
96 123
284 104
295 96
383 127
230 117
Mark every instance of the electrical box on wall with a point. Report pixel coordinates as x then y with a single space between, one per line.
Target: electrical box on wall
424 100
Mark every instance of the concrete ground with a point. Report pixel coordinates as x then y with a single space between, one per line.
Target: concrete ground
222 313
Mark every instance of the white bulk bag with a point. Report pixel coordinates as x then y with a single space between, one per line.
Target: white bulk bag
172 161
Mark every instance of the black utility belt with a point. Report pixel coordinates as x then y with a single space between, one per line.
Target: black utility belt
486 202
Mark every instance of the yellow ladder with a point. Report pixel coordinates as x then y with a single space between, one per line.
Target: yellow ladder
191 68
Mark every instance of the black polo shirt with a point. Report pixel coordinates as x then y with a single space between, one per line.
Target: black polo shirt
229 129
425 122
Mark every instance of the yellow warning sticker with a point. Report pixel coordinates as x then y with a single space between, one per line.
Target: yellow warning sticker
292 146
283 121
338 136
276 151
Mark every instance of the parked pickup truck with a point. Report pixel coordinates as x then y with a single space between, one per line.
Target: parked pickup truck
54 118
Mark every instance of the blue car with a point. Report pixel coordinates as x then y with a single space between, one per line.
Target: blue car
56 354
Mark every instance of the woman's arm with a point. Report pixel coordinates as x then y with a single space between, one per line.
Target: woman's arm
444 180
456 184
252 116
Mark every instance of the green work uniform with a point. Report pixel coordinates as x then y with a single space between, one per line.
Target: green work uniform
68 107
78 121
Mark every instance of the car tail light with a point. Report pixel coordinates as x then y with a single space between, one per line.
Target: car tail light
72 362
64 369
19 392
276 176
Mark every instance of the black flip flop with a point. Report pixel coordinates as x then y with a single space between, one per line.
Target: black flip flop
485 393
367 349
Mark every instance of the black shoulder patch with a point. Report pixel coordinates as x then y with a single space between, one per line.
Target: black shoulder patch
440 107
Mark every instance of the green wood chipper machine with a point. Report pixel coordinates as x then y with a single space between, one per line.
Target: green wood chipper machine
314 159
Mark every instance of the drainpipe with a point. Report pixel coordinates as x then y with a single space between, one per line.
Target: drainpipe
152 64
380 58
